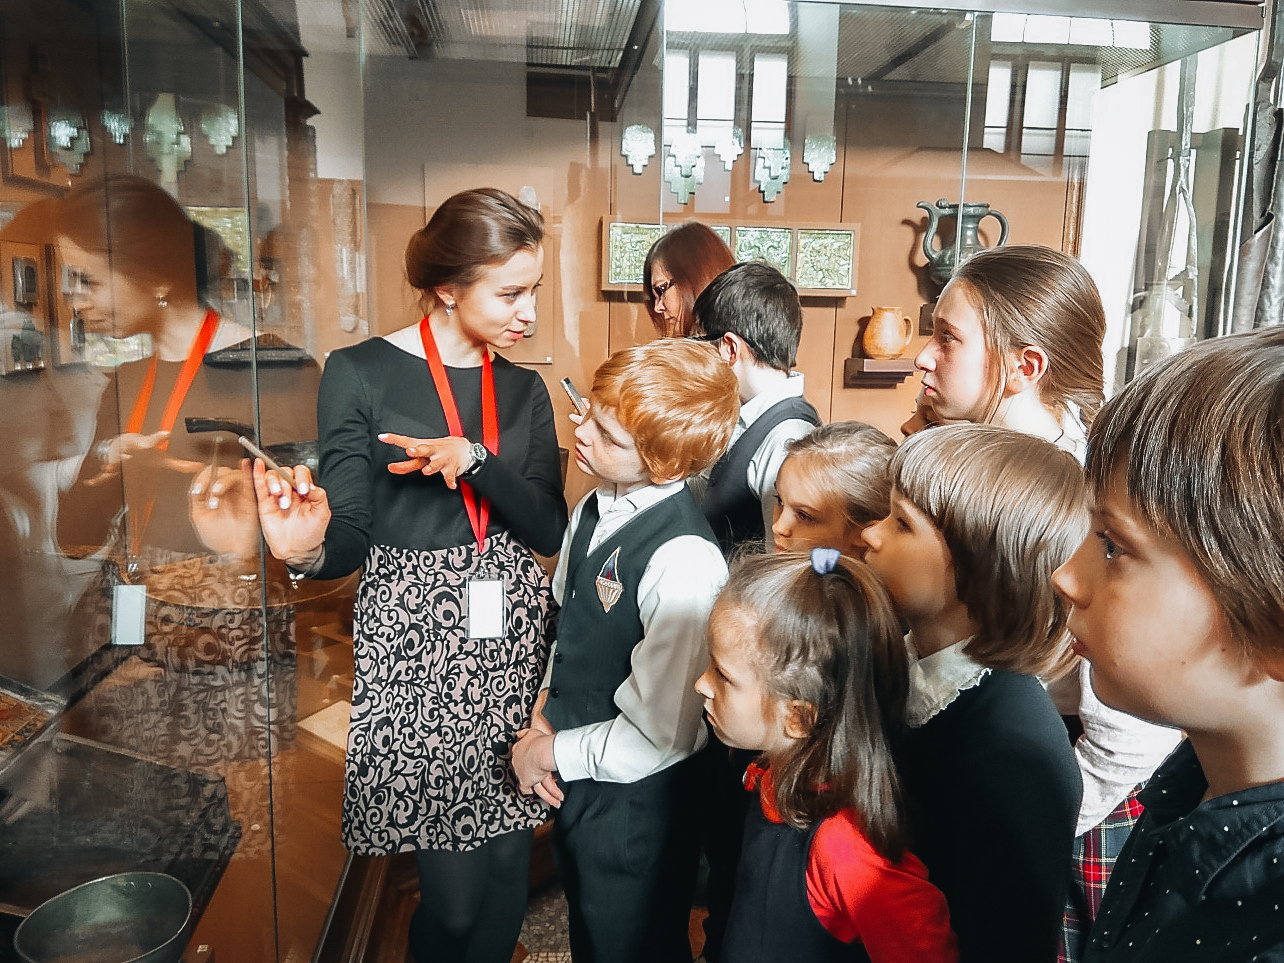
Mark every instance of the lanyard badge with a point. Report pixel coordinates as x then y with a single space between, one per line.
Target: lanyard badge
486 597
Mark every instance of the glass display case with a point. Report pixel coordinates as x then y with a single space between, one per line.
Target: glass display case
171 698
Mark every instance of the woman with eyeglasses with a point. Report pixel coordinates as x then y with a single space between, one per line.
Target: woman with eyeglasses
678 267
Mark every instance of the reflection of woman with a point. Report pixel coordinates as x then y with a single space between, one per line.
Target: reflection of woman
678 267
134 247
440 466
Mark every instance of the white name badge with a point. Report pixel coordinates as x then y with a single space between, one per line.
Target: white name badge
487 608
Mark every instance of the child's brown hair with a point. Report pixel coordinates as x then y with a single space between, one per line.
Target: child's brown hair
1196 444
677 399
1011 508
1028 294
854 459
833 642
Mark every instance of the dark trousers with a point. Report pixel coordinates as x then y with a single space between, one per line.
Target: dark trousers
722 806
626 854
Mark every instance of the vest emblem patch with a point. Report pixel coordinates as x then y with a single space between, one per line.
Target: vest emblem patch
609 588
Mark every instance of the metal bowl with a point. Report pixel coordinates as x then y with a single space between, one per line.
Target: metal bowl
125 918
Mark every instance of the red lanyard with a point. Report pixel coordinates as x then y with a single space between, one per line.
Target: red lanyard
195 354
478 515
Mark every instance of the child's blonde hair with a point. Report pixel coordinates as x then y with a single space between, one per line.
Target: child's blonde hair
677 399
1196 444
853 459
1031 295
1011 508
833 642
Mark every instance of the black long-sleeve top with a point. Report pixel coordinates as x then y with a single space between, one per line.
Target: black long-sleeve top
376 387
994 791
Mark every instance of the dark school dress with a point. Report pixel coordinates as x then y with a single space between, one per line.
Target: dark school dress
433 712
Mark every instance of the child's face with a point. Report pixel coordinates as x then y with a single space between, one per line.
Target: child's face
741 710
1146 620
603 448
911 556
807 517
955 361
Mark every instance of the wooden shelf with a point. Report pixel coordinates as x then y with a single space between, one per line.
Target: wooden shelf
873 373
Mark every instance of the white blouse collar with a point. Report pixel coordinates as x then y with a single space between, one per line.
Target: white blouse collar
937 680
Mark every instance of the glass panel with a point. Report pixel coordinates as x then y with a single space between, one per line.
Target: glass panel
1090 170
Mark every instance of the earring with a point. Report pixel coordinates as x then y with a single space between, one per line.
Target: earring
450 307
161 302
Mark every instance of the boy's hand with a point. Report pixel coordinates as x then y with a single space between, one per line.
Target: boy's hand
535 767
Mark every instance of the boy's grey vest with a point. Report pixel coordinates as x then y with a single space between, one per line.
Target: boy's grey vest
733 510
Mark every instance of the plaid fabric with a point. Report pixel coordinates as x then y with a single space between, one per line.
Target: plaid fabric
1095 853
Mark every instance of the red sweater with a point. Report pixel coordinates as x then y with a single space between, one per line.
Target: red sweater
858 895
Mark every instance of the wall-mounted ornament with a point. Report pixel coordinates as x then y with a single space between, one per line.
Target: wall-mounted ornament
775 245
820 151
684 166
637 143
220 127
771 169
167 145
683 186
118 124
820 259
730 146
16 123
68 137
624 250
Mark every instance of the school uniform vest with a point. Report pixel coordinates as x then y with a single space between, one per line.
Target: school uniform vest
599 625
771 919
733 509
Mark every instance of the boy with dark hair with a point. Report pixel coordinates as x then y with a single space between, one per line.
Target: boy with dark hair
619 718
752 313
1178 599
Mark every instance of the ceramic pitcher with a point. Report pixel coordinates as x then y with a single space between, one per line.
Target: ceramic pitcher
942 261
887 334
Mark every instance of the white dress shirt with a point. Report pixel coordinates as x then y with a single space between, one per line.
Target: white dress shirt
661 714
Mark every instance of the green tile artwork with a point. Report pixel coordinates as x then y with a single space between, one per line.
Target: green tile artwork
723 232
627 248
771 244
825 259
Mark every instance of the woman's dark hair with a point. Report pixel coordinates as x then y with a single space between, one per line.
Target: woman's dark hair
833 643
469 232
143 231
692 255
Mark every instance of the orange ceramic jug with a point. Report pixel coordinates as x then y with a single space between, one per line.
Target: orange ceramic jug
887 334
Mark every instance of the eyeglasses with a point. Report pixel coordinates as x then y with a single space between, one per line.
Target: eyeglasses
661 289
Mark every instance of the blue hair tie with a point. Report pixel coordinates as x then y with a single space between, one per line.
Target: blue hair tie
823 560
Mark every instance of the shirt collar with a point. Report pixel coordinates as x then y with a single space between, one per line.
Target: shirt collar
1202 838
635 500
791 387
937 680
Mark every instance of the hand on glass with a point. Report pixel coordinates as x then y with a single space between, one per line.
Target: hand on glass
293 517
143 449
221 504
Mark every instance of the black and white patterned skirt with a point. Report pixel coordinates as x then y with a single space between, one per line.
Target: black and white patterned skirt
434 713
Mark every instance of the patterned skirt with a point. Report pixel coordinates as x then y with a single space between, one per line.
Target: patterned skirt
434 713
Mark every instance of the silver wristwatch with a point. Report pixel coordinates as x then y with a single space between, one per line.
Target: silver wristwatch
477 451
